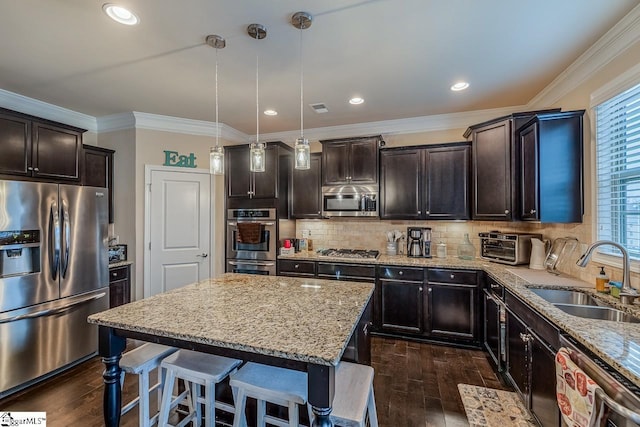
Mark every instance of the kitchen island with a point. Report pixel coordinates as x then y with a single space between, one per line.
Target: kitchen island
302 324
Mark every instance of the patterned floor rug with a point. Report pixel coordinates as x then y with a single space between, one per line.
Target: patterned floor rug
488 407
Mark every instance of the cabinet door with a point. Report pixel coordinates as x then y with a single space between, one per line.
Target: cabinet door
364 161
97 171
265 183
517 357
401 306
56 152
492 330
335 163
237 173
306 186
543 384
400 184
15 145
446 188
492 172
451 311
529 166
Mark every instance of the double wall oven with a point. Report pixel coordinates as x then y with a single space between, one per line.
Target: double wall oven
252 241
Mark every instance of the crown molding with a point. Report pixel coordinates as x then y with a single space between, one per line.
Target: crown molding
34 107
400 126
619 38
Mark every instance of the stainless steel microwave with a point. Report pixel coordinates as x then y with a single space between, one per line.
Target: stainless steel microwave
350 200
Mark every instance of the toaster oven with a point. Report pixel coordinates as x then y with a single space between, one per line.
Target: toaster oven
506 248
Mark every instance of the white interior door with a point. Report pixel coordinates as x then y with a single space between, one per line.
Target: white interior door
179 216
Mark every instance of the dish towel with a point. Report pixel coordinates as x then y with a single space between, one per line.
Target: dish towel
575 391
249 233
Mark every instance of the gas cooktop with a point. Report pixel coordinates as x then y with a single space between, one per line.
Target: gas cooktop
349 253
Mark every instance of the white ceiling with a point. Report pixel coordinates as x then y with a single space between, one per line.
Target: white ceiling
400 55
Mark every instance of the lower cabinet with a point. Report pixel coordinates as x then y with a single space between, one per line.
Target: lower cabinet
531 346
287 267
432 303
119 285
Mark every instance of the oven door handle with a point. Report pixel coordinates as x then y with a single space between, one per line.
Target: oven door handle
257 264
266 224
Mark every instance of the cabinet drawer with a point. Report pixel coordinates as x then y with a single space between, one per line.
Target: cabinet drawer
386 272
287 266
118 273
338 271
452 276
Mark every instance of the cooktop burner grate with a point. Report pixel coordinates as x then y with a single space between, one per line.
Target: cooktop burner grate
349 253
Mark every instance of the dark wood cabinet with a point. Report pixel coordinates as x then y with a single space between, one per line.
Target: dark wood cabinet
452 305
119 285
542 387
350 161
295 268
246 189
347 272
425 182
551 173
36 148
306 190
97 171
399 295
517 360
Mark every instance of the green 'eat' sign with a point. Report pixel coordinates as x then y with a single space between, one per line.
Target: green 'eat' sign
173 158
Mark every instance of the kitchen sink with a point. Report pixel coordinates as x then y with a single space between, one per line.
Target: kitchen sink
561 296
584 305
594 312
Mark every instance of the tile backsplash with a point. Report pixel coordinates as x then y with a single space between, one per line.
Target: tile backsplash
372 234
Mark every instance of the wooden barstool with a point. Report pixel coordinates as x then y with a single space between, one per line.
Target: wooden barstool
353 400
271 384
196 369
141 361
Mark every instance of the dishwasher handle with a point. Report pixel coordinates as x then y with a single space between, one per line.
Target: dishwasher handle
603 405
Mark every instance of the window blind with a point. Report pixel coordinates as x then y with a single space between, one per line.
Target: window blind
618 171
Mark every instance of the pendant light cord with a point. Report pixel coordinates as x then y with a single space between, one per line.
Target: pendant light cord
257 101
217 120
301 90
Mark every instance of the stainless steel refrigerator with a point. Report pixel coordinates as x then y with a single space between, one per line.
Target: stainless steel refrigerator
53 274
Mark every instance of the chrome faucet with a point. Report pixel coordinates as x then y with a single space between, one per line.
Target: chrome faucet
627 293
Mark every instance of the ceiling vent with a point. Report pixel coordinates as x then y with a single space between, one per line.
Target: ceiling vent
319 108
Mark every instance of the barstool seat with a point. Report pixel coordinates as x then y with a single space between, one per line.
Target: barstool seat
196 369
141 361
353 399
265 383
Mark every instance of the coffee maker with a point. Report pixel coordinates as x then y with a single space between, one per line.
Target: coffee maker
419 242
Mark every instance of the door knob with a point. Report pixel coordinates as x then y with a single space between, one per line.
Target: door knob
203 255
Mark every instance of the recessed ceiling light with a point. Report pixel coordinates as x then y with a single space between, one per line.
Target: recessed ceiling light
270 112
459 86
120 14
356 101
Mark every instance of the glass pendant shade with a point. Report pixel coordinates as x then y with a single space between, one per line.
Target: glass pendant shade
216 160
257 157
302 154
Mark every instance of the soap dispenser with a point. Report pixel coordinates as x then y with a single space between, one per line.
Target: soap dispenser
602 280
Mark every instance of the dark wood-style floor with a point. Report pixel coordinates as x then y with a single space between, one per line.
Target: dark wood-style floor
415 385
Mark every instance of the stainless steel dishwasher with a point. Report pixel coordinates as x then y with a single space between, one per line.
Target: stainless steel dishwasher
618 403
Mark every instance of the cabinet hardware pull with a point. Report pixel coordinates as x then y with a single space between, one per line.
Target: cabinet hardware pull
29 168
36 169
427 212
532 211
429 290
419 212
420 288
452 276
400 272
506 211
296 266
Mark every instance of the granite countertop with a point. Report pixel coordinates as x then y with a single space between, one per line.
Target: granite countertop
308 320
617 343
120 264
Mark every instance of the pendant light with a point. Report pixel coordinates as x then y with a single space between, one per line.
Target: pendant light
216 154
302 21
256 150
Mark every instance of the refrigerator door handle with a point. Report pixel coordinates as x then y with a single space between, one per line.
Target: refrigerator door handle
54 240
67 238
52 311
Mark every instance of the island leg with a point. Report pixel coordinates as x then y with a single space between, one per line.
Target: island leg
320 389
111 347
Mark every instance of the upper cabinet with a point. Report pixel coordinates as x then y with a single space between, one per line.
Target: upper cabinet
495 166
306 195
97 171
551 176
350 161
260 188
426 182
37 148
